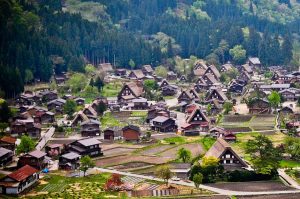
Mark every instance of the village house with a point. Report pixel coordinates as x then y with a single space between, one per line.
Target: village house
155 111
53 150
181 170
47 96
199 68
25 99
131 133
246 68
259 106
286 110
254 62
112 133
136 75
196 123
44 117
226 155
235 87
209 79
69 161
130 91
219 132
147 70
244 77
121 72
140 104
163 124
169 90
8 142
218 95
171 76
90 128
20 127
214 71
6 156
106 67
36 159
19 180
188 96
163 83
226 67
182 78
86 146
79 118
89 111
56 105
79 101
216 107
291 94
274 87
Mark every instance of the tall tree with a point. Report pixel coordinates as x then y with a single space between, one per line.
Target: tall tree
86 162
184 154
26 145
164 172
287 49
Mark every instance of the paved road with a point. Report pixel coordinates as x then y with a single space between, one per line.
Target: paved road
290 180
45 139
191 184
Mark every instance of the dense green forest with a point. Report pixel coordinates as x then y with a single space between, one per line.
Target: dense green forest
39 37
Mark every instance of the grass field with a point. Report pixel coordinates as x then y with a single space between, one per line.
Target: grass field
175 140
111 89
108 120
289 163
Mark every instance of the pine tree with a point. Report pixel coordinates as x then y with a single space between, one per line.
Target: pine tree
287 49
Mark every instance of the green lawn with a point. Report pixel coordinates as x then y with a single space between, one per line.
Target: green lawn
176 140
138 113
81 187
111 89
207 142
289 163
108 120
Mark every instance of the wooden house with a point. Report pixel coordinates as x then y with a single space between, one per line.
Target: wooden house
8 142
44 117
259 106
286 110
90 128
86 146
6 156
254 62
47 96
147 70
246 68
131 133
169 90
182 78
235 87
121 72
106 67
171 76
291 94
79 118
209 79
163 83
244 77
199 68
136 74
153 112
79 101
112 133
36 159
69 161
218 95
53 150
130 91
226 155
89 111
214 71
20 127
226 67
185 96
57 105
196 123
60 80
163 124
219 132
20 180
140 104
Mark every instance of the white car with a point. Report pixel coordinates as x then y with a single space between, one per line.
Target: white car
175 179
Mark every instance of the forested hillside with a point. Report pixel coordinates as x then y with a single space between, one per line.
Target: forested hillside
38 37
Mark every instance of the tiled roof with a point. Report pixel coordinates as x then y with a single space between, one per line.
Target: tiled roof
89 141
9 139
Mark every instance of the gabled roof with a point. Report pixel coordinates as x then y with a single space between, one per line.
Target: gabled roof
254 60
9 139
200 65
227 66
188 94
137 90
161 119
71 156
37 154
90 109
106 67
4 151
138 73
148 68
136 128
211 78
22 173
220 93
80 114
247 68
89 141
214 70
194 113
219 148
90 121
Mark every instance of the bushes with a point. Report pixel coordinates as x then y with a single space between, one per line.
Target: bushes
244 176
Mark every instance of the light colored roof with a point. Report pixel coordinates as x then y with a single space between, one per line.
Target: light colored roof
160 119
37 153
140 100
71 155
4 151
254 60
89 141
90 121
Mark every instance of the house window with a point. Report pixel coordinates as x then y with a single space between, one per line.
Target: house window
227 155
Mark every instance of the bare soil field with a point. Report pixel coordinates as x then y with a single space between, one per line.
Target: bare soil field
117 160
131 165
195 148
278 196
106 146
237 118
163 136
117 151
237 129
156 150
252 186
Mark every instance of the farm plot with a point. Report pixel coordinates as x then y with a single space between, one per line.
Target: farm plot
156 150
195 148
262 122
117 151
131 165
237 118
54 187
